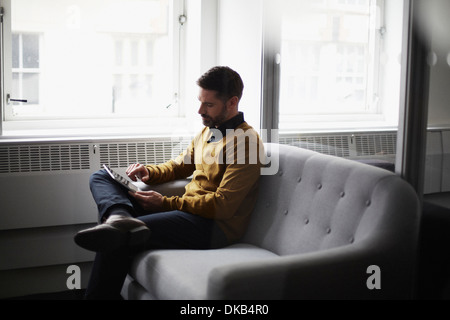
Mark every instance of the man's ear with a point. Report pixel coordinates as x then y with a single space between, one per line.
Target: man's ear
232 103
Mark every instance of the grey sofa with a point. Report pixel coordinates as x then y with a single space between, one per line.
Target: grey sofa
323 228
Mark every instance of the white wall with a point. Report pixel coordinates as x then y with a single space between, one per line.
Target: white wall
439 95
436 25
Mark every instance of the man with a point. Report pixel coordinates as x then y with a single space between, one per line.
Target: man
223 160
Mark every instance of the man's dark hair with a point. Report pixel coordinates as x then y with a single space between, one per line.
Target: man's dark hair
224 80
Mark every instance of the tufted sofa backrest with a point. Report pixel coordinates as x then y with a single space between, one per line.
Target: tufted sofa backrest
316 202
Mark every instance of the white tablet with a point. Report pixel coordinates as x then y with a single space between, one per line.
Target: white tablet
120 179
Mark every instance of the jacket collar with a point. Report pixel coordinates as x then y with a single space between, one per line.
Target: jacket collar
232 123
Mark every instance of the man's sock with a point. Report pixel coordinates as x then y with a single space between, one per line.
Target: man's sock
122 210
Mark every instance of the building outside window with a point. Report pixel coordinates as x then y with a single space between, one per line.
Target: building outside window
332 60
124 63
26 66
89 60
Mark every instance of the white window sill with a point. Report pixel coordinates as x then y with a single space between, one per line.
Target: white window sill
335 123
49 130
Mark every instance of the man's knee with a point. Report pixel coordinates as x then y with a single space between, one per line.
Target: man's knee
98 176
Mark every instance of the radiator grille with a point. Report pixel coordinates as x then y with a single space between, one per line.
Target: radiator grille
37 158
119 155
376 144
350 145
332 145
63 157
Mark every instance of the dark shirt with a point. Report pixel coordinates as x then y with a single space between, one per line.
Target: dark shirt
232 123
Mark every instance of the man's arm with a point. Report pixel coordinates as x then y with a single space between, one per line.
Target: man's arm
179 168
238 181
148 200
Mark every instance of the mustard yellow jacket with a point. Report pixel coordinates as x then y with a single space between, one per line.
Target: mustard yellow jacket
225 174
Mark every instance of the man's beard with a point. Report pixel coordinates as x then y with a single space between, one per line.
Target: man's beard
215 122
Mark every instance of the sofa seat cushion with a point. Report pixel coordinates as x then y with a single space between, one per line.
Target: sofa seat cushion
184 274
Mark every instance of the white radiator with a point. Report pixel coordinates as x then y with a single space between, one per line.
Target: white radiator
47 184
379 145
45 197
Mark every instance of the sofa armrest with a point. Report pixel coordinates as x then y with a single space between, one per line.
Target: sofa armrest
169 189
339 273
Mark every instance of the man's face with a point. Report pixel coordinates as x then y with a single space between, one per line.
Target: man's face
213 110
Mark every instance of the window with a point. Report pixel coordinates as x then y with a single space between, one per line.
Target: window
133 63
91 60
25 66
133 73
331 61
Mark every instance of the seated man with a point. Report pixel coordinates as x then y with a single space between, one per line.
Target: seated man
224 162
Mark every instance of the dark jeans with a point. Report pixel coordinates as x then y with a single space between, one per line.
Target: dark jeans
169 230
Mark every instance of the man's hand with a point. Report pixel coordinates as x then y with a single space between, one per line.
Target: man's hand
138 171
149 200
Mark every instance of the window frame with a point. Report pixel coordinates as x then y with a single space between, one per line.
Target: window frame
373 115
22 70
36 125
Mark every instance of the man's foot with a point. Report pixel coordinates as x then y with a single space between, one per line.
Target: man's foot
116 233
